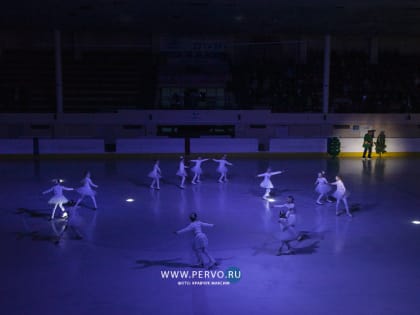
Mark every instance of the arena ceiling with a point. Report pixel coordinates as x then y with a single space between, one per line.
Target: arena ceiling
390 17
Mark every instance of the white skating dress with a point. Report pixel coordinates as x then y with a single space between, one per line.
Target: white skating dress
200 239
266 183
322 186
197 167
86 189
181 170
155 173
341 191
58 196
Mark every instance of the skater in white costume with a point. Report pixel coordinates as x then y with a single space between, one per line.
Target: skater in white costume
182 172
290 204
86 190
266 183
287 220
58 198
322 188
156 175
222 169
197 169
200 242
341 194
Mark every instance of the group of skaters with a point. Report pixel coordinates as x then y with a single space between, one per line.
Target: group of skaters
59 200
287 218
156 173
323 188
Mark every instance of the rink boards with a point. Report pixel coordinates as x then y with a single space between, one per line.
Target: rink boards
349 146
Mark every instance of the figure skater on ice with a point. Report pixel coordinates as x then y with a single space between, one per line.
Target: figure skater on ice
58 199
200 241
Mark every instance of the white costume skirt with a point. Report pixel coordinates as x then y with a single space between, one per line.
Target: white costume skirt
86 191
222 169
197 170
267 184
57 200
289 234
341 194
323 188
154 175
182 173
200 241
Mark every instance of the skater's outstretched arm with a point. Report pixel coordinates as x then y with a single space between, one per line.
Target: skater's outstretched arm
280 206
91 183
48 191
186 229
275 173
261 175
67 188
207 224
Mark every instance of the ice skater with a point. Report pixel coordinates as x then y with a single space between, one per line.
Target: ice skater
200 242
181 172
287 220
290 204
197 169
222 169
266 183
58 198
322 188
86 190
340 194
155 174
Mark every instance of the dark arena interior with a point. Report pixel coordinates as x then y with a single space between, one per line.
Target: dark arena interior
206 157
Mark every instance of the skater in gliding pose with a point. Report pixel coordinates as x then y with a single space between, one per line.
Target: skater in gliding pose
222 169
156 175
86 190
266 183
58 198
181 172
197 169
322 188
200 242
287 220
341 194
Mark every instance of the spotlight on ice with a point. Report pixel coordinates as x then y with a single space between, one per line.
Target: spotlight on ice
415 222
129 200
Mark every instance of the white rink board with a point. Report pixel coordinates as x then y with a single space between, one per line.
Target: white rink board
71 146
223 145
16 146
150 145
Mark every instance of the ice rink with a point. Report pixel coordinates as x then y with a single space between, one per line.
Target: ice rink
368 264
